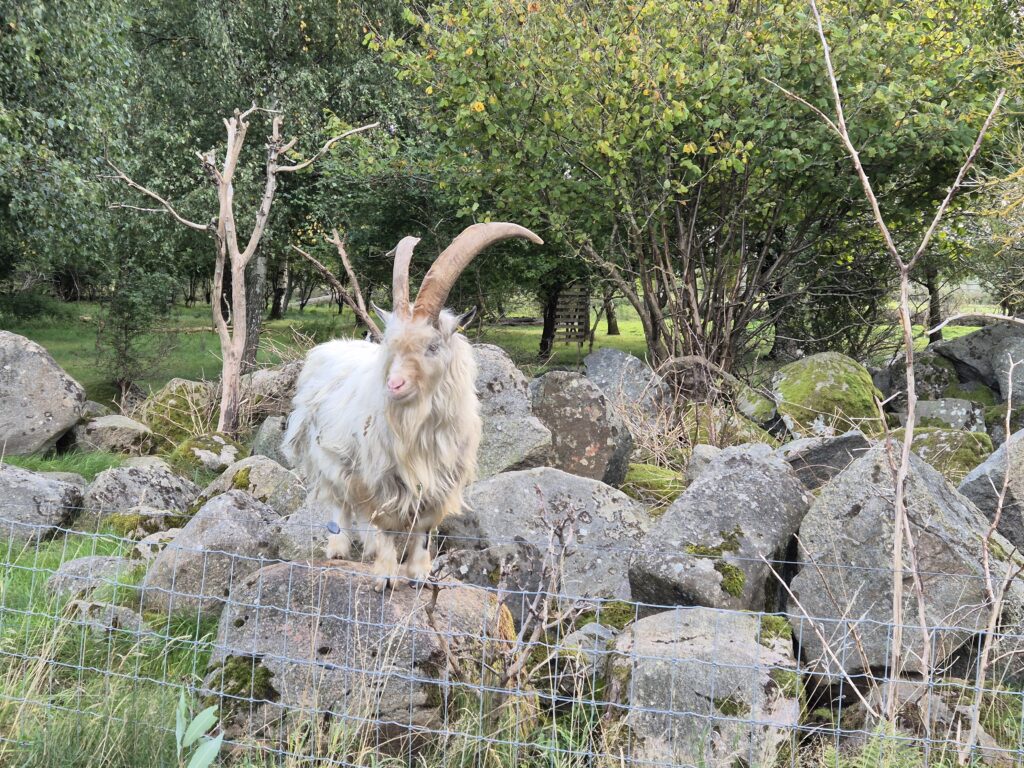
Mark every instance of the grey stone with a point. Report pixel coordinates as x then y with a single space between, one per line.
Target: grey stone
302 535
703 687
263 478
227 539
528 504
68 477
707 548
513 571
700 457
269 391
269 440
816 460
588 438
513 438
39 402
984 484
93 410
1009 356
934 376
147 548
627 381
213 452
34 506
115 434
949 413
845 578
323 641
84 575
974 356
117 490
106 618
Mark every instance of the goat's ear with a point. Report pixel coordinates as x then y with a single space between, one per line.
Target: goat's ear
383 314
465 319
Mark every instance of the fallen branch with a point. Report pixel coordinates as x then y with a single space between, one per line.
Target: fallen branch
341 292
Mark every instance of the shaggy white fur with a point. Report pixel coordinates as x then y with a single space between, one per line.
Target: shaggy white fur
386 435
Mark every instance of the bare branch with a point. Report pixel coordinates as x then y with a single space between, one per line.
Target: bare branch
801 100
342 293
323 149
978 315
150 193
357 292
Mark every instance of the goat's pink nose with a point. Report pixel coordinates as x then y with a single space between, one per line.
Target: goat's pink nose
396 383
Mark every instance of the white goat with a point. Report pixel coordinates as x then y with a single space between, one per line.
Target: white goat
387 434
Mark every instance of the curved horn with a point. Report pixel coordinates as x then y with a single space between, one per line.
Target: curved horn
456 257
400 276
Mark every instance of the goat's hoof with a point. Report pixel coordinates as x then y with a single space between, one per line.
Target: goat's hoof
417 572
384 584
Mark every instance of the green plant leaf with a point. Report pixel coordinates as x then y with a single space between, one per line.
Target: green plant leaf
179 725
207 752
203 722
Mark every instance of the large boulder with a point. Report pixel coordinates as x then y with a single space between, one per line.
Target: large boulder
695 686
701 457
984 485
117 490
529 504
588 438
707 548
934 377
825 394
513 438
227 539
39 402
302 535
269 441
34 506
114 434
975 355
320 642
627 381
264 479
845 581
816 460
1007 359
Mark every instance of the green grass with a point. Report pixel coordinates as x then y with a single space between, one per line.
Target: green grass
88 465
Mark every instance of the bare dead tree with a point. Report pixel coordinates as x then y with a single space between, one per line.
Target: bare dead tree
231 256
904 266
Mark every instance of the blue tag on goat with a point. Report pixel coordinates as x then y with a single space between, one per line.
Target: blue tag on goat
333 527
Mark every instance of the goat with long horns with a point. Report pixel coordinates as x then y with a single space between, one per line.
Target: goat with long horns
386 435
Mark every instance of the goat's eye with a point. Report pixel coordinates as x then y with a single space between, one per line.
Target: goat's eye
433 348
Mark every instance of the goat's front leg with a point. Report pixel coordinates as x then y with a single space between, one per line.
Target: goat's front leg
385 563
339 545
418 562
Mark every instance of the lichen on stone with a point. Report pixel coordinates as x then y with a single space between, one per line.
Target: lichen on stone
826 393
953 452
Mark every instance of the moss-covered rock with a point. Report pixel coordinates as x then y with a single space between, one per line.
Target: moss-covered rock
752 404
827 393
179 410
212 452
954 452
974 391
656 486
995 421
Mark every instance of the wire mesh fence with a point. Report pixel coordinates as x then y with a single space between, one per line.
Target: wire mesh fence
308 662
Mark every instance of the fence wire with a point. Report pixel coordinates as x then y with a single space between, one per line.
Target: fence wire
309 664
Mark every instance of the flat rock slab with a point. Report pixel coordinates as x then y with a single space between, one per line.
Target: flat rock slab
975 355
709 547
949 413
264 479
34 506
701 687
528 504
39 402
318 639
588 438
